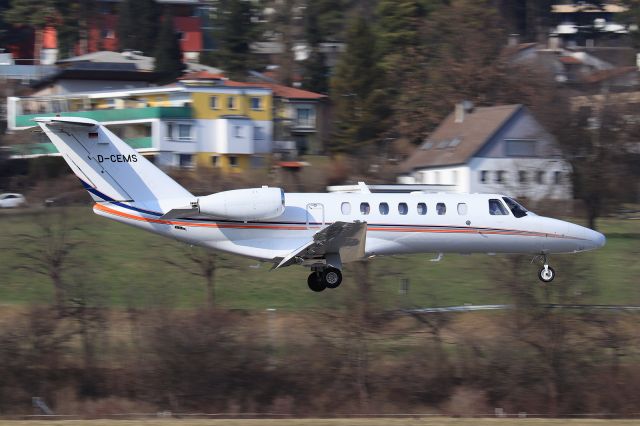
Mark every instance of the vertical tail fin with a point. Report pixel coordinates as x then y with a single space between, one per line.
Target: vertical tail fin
109 168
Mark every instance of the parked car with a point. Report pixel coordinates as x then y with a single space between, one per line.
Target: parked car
8 201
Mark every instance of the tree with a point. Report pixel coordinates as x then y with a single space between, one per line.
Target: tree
70 18
598 142
459 57
48 252
138 22
168 55
235 30
357 92
316 72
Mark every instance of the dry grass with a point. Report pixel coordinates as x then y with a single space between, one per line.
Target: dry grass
432 421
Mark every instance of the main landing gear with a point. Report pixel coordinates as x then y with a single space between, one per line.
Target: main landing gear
546 274
324 278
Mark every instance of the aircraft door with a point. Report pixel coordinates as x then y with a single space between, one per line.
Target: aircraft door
315 216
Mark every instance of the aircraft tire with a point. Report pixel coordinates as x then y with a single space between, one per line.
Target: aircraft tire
332 277
548 275
315 282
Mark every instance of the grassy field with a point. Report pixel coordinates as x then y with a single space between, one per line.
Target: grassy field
434 421
129 267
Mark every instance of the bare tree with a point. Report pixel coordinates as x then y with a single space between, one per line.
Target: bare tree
48 250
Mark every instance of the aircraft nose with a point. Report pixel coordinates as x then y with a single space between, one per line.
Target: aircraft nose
593 238
596 238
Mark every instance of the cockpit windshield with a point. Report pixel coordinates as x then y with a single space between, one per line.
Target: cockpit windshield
516 209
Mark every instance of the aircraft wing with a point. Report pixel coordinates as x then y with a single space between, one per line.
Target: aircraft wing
344 238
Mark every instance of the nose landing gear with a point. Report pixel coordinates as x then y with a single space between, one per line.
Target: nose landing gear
546 274
324 278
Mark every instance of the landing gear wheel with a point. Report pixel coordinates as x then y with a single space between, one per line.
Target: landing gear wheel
316 282
546 274
332 277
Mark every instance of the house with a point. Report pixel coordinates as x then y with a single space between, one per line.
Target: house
500 149
191 19
188 124
300 116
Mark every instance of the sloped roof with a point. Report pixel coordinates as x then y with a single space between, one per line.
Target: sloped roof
455 143
603 75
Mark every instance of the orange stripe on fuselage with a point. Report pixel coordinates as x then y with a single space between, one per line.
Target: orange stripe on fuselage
119 213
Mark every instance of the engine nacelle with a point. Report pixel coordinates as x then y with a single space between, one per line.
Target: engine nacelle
244 204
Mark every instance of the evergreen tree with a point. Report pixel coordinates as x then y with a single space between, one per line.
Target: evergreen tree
168 55
69 17
138 22
357 92
316 72
235 30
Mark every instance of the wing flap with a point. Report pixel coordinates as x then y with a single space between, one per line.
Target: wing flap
344 238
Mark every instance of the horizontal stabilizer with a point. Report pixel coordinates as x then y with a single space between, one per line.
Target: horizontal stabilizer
74 121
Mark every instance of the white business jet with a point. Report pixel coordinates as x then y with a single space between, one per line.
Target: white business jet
318 231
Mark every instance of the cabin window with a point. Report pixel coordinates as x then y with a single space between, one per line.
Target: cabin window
441 208
517 210
384 208
403 208
462 209
345 208
422 209
364 208
496 208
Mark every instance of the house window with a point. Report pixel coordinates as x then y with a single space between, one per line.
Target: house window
422 209
462 209
364 208
496 208
237 131
233 161
557 178
520 148
384 208
231 102
258 133
403 208
215 160
522 176
169 134
184 132
540 177
500 176
484 176
345 208
256 104
185 160
213 102
304 117
441 208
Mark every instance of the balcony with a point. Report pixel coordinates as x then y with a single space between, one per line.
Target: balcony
111 115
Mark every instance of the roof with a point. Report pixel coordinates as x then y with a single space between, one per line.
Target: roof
277 89
603 75
587 8
455 143
141 63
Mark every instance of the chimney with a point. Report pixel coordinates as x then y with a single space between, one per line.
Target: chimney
463 108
